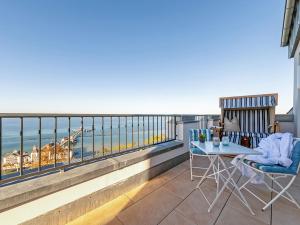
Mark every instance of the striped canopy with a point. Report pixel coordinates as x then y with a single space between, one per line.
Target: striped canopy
254 101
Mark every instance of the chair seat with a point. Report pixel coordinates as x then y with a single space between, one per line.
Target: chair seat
197 151
270 168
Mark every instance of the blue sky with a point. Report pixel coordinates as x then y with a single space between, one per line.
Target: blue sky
158 56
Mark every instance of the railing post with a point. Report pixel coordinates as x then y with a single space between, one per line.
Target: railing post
69 140
148 130
55 140
175 126
119 127
168 127
138 138
153 133
22 146
126 132
161 140
93 133
40 143
165 118
156 129
0 148
102 131
171 127
132 143
82 139
143 130
111 134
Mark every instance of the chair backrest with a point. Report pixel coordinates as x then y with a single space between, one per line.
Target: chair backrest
296 158
194 135
251 120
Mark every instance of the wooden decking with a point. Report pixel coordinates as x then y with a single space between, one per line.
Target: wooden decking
171 199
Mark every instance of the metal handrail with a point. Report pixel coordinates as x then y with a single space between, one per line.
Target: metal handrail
156 129
14 115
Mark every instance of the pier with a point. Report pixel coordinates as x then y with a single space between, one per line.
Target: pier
73 137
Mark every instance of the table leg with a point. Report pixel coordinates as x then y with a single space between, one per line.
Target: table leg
218 176
212 161
217 171
230 178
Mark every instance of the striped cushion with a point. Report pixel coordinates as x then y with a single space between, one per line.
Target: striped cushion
270 168
293 169
194 135
255 138
253 120
252 163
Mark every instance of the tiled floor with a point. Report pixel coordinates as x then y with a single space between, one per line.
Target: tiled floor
171 199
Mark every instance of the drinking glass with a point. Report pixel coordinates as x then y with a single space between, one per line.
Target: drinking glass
225 141
216 141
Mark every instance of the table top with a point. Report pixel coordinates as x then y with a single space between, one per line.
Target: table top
231 149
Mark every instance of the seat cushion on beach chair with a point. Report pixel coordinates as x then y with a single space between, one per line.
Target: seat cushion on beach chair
255 138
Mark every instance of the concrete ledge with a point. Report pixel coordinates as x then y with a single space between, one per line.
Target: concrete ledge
73 210
17 194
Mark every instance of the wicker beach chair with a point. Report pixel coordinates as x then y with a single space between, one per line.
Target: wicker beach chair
256 116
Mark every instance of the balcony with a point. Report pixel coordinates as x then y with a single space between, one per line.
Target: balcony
171 198
153 57
114 169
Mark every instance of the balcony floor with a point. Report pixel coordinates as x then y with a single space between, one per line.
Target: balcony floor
172 199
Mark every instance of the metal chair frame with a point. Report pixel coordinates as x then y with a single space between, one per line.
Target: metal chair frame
274 177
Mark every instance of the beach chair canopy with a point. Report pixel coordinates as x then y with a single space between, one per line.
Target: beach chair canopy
255 113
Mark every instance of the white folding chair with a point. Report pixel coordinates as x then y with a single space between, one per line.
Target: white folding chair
195 152
275 173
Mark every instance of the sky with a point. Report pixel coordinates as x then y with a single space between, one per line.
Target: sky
138 56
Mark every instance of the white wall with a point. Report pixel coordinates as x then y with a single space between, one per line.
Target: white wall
297 91
286 123
287 127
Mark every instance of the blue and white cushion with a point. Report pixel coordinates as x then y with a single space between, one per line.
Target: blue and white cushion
255 138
